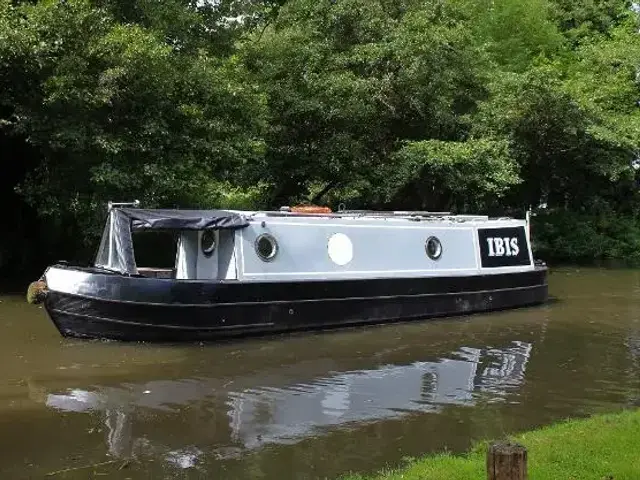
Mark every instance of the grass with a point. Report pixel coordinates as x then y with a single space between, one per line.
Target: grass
602 447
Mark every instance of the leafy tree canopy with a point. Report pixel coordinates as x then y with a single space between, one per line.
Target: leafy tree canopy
439 104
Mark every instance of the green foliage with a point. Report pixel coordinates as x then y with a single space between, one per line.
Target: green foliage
560 145
516 33
189 25
587 238
224 194
362 76
603 80
573 121
116 113
458 175
581 19
459 104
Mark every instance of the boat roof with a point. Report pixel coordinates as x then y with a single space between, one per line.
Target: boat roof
187 219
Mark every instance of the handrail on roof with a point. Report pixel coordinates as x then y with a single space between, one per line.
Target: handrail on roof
396 215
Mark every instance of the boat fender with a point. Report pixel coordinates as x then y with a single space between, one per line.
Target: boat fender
37 292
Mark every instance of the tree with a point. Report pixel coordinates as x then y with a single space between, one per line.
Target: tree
515 34
115 112
583 19
462 176
572 122
347 81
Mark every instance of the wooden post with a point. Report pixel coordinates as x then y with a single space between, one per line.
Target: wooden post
506 461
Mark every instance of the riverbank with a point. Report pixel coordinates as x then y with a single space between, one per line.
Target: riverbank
599 447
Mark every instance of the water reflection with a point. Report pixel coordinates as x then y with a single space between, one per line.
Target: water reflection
281 411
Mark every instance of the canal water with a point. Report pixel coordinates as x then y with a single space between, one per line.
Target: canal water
312 405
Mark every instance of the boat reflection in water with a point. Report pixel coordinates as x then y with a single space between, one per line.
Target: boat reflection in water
262 412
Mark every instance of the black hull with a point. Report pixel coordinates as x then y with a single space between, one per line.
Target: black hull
126 308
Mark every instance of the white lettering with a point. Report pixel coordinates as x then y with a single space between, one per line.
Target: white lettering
515 249
492 253
507 246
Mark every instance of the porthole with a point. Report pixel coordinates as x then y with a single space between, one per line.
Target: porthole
208 242
266 247
433 247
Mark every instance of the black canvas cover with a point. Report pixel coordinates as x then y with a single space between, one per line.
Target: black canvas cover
142 219
116 248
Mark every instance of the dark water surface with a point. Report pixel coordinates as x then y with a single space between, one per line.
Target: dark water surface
312 405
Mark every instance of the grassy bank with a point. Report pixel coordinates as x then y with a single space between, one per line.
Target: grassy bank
600 447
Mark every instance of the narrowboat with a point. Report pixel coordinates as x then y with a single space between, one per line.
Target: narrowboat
257 272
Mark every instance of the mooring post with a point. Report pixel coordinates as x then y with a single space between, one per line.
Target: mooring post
506 461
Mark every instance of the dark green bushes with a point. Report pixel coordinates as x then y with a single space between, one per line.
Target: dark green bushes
603 239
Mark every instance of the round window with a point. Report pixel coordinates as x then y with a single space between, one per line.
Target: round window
433 248
266 247
208 242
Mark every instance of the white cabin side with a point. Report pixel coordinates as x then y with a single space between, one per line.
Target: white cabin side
290 248
209 255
